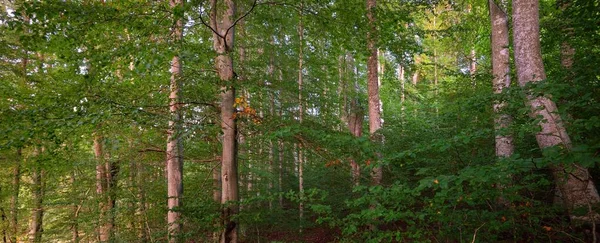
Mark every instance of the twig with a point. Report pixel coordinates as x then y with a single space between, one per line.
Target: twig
475 234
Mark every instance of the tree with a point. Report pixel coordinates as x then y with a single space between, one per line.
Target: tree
373 85
223 27
572 179
174 150
501 77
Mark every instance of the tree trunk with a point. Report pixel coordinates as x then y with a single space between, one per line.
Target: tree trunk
223 42
174 151
300 114
37 213
14 198
141 203
354 120
501 77
75 207
573 180
373 87
473 66
103 228
280 179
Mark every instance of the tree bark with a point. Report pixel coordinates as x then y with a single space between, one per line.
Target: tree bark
37 213
300 113
174 150
223 42
355 119
501 77
75 207
573 180
14 199
104 229
373 87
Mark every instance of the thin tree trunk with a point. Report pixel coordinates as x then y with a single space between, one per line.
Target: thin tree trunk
280 179
573 180
223 42
402 79
14 199
174 150
373 87
101 190
300 114
112 170
473 66
501 77
37 213
4 223
141 203
75 207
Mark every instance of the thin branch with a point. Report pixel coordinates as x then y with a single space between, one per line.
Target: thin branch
475 234
210 27
238 20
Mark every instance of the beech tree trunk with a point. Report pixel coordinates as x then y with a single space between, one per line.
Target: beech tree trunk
14 198
174 154
501 77
573 180
223 42
373 86
104 228
355 117
300 113
37 212
75 207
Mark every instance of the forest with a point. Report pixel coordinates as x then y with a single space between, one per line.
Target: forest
299 121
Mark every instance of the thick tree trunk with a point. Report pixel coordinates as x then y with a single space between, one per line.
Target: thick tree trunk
501 77
14 198
223 42
573 180
37 213
373 87
355 117
174 150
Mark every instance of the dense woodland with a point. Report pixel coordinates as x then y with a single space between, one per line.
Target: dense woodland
300 121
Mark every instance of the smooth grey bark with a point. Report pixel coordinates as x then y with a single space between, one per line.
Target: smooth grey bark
573 180
174 153
223 43
501 77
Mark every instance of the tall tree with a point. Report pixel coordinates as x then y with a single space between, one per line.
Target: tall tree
373 85
14 198
573 180
174 149
300 109
501 77
37 212
223 27
355 116
104 228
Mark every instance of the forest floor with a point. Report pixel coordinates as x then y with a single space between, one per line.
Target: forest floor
313 235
